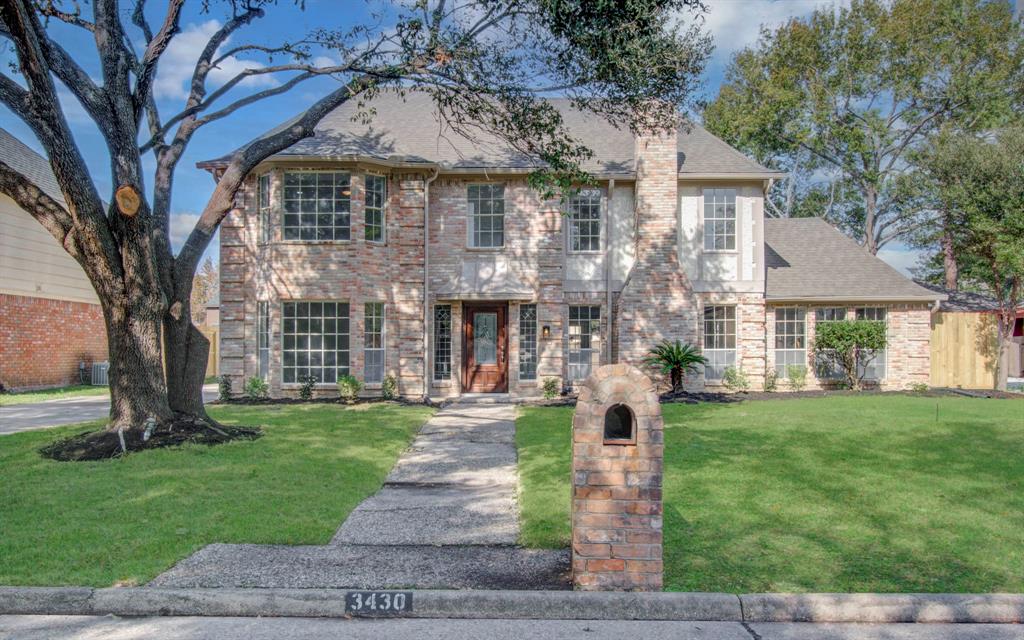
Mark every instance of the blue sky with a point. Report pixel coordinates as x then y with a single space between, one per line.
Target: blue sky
734 24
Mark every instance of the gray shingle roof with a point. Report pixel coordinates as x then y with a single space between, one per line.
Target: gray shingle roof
809 259
408 130
20 157
965 300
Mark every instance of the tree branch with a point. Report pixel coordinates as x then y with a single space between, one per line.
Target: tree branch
50 213
154 49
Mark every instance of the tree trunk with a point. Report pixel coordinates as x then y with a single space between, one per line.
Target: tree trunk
137 390
677 379
187 352
949 264
870 212
1002 355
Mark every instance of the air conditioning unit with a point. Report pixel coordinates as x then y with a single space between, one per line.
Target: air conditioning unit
99 373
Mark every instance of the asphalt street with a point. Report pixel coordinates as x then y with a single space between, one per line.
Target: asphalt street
177 628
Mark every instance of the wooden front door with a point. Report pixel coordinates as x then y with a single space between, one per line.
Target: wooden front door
485 348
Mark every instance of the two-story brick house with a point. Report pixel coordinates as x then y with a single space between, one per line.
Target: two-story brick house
399 248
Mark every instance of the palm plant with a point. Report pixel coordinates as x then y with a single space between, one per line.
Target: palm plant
675 359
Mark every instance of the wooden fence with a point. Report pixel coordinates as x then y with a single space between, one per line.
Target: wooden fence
213 363
963 346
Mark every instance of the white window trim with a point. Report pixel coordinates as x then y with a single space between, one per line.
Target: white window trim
775 334
736 337
373 384
598 335
885 351
469 216
280 341
265 209
351 226
383 208
601 218
736 221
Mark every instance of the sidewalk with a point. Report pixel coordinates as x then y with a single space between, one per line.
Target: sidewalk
446 518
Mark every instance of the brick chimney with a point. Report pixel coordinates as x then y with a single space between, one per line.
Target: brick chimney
657 301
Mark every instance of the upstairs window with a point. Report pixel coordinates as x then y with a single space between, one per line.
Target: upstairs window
585 221
317 205
719 340
263 206
486 216
376 195
719 219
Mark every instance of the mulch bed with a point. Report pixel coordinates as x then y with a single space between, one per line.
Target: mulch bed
103 445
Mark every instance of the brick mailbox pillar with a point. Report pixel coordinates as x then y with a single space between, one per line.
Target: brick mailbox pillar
617 451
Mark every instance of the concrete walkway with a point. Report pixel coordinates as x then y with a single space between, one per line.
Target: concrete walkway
57 413
446 517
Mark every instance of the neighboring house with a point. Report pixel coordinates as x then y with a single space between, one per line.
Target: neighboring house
398 248
50 317
963 343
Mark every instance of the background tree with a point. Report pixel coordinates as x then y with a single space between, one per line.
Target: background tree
980 181
205 286
848 93
485 62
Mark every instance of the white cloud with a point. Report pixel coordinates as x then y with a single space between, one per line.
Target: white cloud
735 24
900 257
179 61
181 226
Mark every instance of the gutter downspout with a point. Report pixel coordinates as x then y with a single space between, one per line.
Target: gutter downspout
608 266
426 284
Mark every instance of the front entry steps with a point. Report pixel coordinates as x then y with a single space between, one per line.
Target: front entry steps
446 518
479 398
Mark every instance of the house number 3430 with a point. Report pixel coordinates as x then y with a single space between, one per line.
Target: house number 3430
378 602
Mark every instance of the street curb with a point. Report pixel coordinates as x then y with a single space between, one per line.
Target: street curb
990 608
538 605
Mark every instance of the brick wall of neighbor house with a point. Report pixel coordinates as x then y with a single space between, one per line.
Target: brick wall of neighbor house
42 341
908 357
353 271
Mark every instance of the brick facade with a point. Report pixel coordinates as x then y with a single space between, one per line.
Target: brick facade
42 341
653 300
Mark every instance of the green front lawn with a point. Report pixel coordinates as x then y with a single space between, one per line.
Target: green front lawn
58 393
125 521
872 493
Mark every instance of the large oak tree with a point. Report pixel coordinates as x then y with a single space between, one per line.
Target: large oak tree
847 94
485 62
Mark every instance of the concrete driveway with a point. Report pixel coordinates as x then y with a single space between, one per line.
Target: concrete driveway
56 413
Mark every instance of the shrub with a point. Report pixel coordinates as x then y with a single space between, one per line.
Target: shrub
349 388
224 387
256 388
735 380
389 388
675 359
551 388
849 345
306 390
771 380
796 377
919 387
